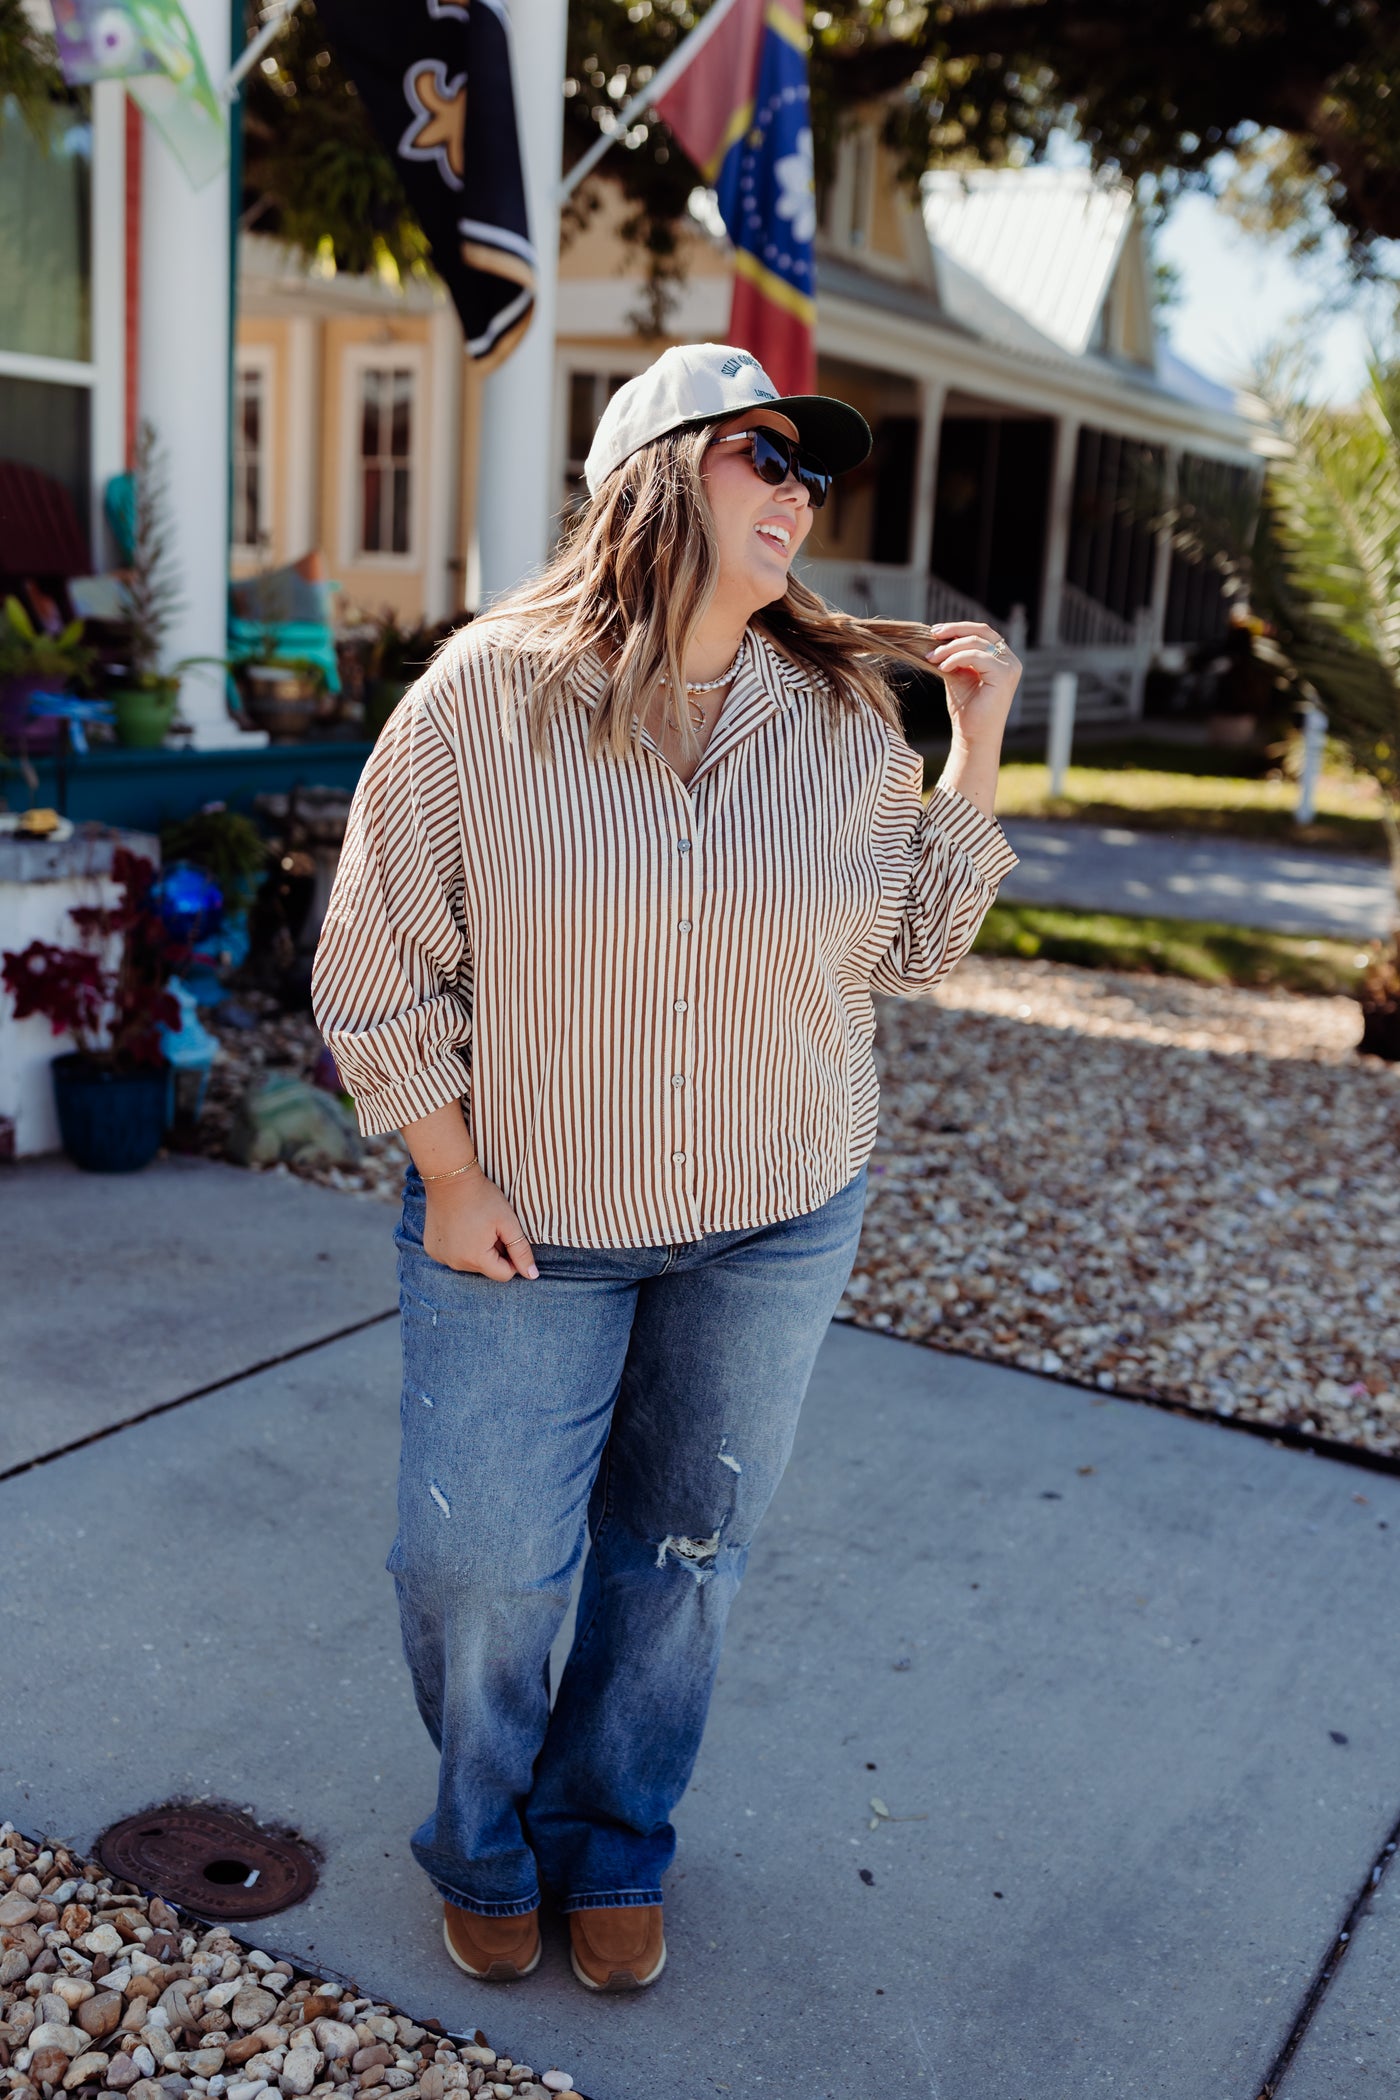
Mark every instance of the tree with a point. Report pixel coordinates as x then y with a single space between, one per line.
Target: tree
1156 88
1332 594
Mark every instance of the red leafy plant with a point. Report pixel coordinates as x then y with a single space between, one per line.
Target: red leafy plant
113 1013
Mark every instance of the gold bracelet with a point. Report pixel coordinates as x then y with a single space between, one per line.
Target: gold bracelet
453 1175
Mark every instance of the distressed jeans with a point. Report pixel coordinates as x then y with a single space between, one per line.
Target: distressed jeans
647 1396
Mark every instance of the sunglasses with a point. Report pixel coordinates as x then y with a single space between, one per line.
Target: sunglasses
774 457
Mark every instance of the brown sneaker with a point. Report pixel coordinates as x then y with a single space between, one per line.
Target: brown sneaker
619 1948
494 1950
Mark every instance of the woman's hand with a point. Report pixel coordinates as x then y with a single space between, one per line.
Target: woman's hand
470 1226
981 675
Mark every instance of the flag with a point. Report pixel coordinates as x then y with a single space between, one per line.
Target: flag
741 110
435 77
150 45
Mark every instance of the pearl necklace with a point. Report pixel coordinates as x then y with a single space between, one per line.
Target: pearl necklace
706 685
712 685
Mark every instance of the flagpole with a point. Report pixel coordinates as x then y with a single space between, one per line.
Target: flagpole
517 496
662 80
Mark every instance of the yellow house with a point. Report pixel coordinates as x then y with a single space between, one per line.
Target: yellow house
998 333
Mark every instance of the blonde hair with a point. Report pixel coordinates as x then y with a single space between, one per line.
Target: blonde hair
630 581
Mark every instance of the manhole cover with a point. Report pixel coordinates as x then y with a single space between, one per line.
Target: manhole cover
212 1861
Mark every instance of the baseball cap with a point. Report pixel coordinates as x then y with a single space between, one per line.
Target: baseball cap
697 383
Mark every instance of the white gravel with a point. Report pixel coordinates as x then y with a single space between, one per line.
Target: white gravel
1150 1186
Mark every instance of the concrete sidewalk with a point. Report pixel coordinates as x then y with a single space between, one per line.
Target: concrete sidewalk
1153 874
1115 1673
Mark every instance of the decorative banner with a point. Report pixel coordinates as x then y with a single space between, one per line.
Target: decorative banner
741 111
150 44
435 76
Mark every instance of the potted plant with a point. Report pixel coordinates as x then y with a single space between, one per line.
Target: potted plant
393 660
31 662
112 1091
145 694
281 694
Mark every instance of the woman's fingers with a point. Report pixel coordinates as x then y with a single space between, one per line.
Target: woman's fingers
493 1264
519 1255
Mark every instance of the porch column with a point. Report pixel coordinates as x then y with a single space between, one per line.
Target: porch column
184 392
1162 558
932 395
516 496
1057 530
301 525
441 576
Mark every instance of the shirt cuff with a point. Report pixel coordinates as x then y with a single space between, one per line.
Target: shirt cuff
972 831
391 1103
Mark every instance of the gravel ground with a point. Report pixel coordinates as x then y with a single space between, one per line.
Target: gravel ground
1163 1189
1158 1188
106 1993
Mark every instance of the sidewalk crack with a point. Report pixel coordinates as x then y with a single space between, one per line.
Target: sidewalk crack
1329 1965
200 1392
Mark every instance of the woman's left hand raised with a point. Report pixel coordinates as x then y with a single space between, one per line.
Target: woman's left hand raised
981 674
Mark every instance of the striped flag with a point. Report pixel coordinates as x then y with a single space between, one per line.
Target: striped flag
741 110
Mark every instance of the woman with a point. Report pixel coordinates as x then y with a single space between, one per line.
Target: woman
619 879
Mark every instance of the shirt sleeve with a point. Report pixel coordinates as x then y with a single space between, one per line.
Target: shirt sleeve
956 858
391 981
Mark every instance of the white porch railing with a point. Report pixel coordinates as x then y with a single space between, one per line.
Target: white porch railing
1110 656
1085 624
878 590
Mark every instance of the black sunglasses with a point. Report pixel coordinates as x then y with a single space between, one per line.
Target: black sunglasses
775 457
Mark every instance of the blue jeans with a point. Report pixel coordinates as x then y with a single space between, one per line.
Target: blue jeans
651 1393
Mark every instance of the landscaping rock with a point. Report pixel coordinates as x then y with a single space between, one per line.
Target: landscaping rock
283 1118
249 2025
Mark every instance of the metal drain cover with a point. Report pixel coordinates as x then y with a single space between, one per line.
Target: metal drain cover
211 1861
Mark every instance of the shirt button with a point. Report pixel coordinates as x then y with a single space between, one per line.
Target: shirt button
678 1159
684 926
678 1079
682 845
679 1006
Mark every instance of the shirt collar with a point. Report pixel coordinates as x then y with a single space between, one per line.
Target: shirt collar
765 670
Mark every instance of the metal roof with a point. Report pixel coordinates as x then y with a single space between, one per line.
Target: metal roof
1046 241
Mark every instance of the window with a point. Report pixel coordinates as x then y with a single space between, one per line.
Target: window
46 380
252 506
385 495
589 395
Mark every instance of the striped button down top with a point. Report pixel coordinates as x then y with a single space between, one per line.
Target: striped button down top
653 1000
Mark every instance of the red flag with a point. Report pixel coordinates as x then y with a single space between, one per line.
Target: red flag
740 109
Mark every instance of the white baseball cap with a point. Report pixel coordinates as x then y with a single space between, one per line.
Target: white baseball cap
699 383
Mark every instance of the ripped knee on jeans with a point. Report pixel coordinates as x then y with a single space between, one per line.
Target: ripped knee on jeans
695 1555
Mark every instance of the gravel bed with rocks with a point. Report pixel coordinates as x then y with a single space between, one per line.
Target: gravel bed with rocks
1168 1190
107 1994
1162 1189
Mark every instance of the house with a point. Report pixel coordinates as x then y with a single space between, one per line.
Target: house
998 332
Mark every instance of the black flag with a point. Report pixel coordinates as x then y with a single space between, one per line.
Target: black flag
435 78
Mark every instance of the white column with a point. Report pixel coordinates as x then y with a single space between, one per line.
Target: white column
1057 530
440 589
301 453
184 389
932 395
517 501
108 301
1162 553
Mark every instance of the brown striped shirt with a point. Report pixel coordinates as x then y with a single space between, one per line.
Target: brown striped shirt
653 1000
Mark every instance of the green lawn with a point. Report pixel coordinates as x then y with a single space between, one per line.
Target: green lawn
1158 786
1201 950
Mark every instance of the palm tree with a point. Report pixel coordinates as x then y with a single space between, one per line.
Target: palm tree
1332 593
1333 499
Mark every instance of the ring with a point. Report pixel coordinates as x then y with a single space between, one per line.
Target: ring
523 1240
999 649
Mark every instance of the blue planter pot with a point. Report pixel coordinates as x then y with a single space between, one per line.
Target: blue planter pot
111 1122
